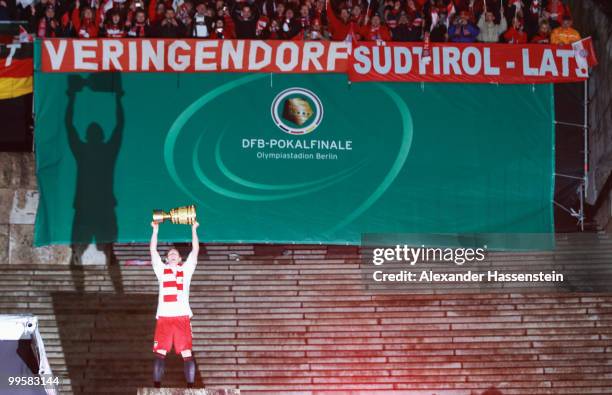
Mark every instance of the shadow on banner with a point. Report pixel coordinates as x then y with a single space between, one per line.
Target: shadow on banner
94 203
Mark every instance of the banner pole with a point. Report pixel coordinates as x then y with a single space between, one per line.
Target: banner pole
586 135
581 219
585 132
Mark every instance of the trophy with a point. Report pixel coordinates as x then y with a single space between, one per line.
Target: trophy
185 215
297 111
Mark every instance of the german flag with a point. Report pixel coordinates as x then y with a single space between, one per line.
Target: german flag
16 70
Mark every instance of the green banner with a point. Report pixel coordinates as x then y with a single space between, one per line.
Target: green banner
288 158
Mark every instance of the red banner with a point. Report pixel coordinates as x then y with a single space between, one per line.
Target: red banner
190 55
369 61
492 63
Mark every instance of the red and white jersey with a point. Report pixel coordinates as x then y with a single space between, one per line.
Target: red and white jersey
174 283
114 31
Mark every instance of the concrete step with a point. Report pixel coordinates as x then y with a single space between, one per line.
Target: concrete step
181 391
298 320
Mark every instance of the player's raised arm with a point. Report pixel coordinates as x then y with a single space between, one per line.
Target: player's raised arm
115 139
195 241
153 244
74 141
156 261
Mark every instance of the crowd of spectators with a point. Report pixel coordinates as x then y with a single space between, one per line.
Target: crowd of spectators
509 21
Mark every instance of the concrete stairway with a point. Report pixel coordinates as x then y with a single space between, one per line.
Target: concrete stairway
184 391
296 320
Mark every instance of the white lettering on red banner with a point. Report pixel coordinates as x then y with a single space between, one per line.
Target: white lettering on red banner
174 55
493 63
365 61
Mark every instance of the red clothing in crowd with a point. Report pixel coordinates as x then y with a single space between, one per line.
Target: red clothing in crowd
393 17
557 11
129 17
100 14
85 28
305 22
477 8
359 20
114 30
261 25
65 20
513 36
298 37
273 35
226 34
229 28
338 29
45 23
412 13
540 39
153 17
370 33
137 30
152 12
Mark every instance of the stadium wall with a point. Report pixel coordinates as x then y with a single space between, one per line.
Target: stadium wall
18 205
